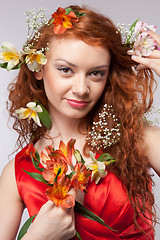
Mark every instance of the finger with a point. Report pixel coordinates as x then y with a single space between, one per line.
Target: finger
131 52
155 36
142 60
73 192
140 67
155 54
148 62
48 206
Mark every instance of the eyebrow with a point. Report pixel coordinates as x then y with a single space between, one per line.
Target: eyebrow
73 65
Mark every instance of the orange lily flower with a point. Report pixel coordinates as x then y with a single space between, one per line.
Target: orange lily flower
62 21
59 193
80 179
29 151
64 152
50 174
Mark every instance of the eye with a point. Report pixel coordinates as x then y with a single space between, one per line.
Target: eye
65 70
97 74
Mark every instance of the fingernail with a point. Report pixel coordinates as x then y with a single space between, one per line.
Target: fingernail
146 28
134 57
130 51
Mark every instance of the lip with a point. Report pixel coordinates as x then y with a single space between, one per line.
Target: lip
76 103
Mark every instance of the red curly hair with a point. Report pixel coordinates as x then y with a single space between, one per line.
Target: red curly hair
130 94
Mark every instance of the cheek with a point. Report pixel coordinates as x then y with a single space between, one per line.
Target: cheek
98 90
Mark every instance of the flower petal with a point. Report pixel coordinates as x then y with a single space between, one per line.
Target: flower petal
8 47
31 105
34 67
59 29
11 64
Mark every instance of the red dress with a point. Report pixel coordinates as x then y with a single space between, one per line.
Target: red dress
107 199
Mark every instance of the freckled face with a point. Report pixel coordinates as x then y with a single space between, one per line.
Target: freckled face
74 77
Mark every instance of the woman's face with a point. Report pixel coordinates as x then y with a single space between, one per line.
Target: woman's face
74 77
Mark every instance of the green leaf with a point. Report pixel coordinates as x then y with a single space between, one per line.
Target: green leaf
37 156
78 14
131 30
45 117
25 227
78 156
105 157
78 235
38 177
68 10
36 163
4 65
19 65
52 21
59 171
79 208
70 175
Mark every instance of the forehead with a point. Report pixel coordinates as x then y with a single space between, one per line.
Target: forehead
75 50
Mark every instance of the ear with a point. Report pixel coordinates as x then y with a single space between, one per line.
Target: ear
39 75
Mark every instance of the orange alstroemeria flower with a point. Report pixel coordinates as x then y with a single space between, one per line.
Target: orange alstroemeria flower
29 151
80 179
46 160
59 193
64 152
50 174
62 21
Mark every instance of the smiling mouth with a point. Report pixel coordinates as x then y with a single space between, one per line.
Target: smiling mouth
77 103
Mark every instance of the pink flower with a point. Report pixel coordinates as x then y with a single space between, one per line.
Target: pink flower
144 44
141 26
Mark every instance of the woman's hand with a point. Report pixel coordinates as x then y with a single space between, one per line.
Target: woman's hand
152 61
53 223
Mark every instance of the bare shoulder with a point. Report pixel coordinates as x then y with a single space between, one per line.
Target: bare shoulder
152 146
11 205
8 177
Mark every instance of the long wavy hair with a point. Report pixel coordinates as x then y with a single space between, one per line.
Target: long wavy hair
130 93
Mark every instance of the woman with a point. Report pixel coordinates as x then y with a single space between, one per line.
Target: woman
87 66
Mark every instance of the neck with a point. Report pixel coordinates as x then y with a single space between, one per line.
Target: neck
64 129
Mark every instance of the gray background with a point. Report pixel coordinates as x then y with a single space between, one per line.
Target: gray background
13 28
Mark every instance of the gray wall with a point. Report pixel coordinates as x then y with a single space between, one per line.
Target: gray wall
13 28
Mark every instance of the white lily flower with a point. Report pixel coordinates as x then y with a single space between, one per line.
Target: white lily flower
30 112
98 169
34 59
9 54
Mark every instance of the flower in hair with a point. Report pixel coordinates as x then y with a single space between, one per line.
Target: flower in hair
34 59
9 55
144 44
63 18
138 38
30 112
63 21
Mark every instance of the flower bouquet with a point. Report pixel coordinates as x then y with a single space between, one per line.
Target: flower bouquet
60 175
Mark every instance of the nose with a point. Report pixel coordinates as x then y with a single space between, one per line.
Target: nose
80 85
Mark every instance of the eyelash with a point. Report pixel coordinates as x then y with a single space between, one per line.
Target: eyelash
68 71
65 69
101 73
